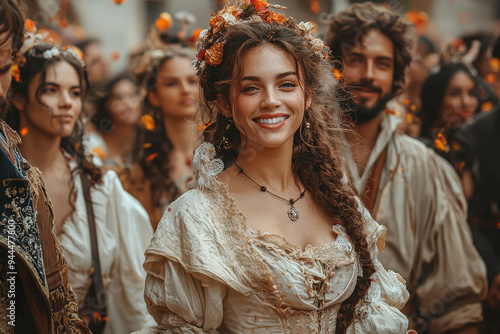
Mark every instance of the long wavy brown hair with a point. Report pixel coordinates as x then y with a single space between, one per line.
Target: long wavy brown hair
348 28
315 159
153 146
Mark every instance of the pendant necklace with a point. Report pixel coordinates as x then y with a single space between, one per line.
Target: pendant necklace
293 213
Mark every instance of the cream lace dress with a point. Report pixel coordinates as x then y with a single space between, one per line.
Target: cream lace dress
207 272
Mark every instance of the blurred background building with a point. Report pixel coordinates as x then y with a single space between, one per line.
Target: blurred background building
122 24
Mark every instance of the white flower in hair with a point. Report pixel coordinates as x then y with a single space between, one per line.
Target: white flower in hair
51 53
229 19
307 27
202 35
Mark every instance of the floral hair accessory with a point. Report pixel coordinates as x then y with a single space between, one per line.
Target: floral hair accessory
212 40
31 39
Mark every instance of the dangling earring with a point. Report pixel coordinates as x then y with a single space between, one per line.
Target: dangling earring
225 142
307 125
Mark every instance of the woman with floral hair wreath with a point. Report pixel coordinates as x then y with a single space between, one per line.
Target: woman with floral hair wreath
102 229
271 238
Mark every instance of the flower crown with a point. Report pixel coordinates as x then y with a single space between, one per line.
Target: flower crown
212 40
31 39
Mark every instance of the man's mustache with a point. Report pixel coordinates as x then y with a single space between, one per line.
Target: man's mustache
365 85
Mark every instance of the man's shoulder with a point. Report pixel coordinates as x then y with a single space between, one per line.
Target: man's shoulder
411 147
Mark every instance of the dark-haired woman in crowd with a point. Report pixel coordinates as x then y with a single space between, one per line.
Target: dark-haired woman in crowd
167 137
271 238
90 206
116 118
449 99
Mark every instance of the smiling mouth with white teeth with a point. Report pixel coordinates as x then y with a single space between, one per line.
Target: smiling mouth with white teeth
271 120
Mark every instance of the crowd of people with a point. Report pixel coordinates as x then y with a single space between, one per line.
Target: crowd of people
251 178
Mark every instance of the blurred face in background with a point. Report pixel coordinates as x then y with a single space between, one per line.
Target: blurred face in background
5 65
176 90
124 103
51 107
98 67
459 101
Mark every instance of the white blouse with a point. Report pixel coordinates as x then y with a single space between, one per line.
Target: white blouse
209 273
123 232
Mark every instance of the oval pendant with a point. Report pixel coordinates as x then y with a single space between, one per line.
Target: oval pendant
293 214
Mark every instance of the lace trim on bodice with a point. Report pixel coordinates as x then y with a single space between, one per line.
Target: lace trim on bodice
241 244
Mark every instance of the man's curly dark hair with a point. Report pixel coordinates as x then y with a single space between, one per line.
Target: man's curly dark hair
12 23
348 28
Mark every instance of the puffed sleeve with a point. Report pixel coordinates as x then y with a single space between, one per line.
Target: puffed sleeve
180 302
452 275
125 302
379 311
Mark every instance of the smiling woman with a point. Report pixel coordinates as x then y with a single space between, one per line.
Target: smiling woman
271 238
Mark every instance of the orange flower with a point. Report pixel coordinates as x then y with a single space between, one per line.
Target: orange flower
337 74
419 18
15 72
214 54
148 121
278 18
164 22
259 4
29 25
24 131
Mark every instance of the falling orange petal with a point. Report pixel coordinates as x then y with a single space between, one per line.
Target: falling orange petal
439 145
77 146
409 118
314 6
392 112
152 156
412 107
203 126
164 22
147 145
406 101
24 131
115 56
495 64
117 2
99 151
15 72
487 106
337 74
490 78
148 121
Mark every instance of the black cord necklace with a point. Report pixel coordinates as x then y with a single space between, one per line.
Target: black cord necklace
293 213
